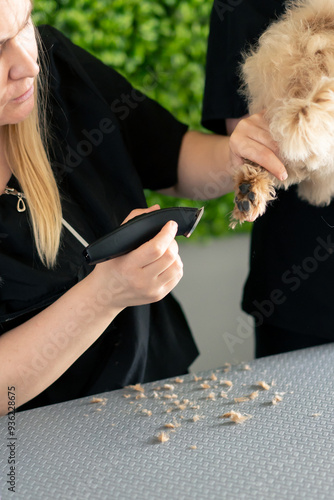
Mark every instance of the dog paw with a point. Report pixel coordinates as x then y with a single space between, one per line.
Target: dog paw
245 202
254 190
245 197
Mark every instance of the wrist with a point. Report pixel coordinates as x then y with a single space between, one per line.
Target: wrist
101 293
223 163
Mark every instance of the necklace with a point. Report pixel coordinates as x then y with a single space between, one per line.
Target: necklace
21 206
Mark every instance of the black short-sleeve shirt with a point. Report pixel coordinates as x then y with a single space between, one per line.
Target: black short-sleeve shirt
292 250
108 143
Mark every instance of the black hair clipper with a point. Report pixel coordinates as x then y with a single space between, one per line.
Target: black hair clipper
140 229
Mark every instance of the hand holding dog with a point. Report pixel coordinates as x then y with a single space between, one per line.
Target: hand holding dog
254 156
250 138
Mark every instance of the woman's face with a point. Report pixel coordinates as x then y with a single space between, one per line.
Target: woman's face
18 61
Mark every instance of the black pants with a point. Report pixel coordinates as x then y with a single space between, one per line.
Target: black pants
272 340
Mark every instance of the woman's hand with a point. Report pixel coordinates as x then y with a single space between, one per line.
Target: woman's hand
145 275
251 140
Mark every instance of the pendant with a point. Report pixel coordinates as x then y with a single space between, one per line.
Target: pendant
21 206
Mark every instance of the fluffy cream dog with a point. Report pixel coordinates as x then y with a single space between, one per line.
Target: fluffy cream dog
290 74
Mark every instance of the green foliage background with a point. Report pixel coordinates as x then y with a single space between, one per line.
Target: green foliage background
160 47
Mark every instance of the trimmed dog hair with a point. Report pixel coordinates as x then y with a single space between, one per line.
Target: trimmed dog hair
290 74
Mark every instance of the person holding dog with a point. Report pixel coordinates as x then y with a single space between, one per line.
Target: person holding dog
77 146
288 290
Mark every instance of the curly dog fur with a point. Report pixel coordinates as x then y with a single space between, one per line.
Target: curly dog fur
290 74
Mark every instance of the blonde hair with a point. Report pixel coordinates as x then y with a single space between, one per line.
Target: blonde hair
26 152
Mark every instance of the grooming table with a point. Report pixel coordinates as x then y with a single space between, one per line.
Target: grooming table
109 450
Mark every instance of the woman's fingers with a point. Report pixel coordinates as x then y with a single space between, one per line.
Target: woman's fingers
158 269
162 268
145 274
154 249
252 140
172 274
140 211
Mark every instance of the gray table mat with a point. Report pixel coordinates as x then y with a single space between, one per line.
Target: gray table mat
110 450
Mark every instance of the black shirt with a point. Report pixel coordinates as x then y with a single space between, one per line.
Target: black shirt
291 262
109 142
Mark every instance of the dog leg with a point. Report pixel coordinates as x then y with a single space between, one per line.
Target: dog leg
254 189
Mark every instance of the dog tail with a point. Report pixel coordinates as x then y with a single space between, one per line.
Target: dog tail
304 127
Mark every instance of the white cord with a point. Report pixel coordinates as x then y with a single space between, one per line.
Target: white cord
75 234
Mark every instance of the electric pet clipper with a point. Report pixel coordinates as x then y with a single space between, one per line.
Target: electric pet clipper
140 229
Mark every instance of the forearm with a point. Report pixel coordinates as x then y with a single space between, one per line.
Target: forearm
35 354
207 163
204 169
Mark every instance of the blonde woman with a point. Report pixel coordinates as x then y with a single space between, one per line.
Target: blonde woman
77 146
